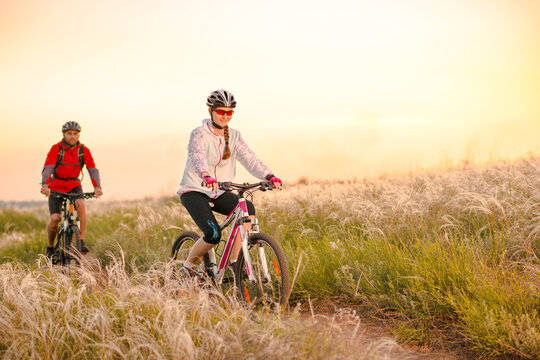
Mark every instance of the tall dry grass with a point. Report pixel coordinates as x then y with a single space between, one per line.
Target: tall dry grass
455 250
447 254
118 312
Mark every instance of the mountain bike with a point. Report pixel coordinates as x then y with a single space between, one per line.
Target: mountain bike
260 276
67 247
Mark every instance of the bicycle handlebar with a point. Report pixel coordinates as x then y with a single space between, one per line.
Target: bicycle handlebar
62 195
230 186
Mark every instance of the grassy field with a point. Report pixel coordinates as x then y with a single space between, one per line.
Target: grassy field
445 256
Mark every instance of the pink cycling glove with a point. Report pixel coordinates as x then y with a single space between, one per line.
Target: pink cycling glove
209 180
272 178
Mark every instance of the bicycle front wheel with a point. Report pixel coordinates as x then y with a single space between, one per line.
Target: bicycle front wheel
75 243
66 244
59 253
270 269
75 238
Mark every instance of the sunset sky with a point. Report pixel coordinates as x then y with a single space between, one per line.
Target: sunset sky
325 89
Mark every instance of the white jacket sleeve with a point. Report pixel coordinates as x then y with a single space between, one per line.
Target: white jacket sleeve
196 153
249 160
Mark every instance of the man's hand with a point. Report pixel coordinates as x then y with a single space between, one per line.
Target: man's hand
45 190
97 191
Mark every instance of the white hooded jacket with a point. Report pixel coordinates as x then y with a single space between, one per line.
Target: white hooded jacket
205 152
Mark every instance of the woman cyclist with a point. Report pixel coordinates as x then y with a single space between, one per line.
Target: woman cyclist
212 153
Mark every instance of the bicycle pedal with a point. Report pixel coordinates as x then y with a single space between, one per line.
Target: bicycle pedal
186 272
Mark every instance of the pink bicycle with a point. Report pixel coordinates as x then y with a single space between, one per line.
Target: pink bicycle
260 275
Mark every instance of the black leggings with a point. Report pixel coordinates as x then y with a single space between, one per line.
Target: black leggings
198 206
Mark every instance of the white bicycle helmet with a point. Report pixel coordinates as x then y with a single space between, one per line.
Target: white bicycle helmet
220 98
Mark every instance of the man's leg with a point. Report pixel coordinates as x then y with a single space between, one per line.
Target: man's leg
52 229
81 213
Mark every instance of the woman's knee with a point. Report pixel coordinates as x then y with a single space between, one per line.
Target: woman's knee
212 233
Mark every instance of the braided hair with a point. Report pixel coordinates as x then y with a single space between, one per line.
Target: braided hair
227 151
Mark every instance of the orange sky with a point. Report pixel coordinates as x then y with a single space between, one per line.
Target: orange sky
325 90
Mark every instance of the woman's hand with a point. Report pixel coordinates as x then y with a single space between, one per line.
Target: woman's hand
274 180
211 182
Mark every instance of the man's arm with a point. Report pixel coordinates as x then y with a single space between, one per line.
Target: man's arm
93 171
48 169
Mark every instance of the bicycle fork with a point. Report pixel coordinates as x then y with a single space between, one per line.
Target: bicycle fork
261 254
72 217
244 236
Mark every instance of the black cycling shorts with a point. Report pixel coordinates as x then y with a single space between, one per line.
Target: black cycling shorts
198 206
55 203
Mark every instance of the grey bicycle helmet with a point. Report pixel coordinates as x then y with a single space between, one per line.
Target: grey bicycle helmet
71 125
220 98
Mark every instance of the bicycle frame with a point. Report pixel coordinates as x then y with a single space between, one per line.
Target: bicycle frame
238 216
69 213
69 217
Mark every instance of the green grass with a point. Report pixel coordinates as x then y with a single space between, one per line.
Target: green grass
444 254
25 222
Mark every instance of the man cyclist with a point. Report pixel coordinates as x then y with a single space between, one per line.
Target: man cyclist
61 172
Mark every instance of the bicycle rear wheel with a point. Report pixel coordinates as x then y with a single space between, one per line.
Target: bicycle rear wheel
270 270
182 246
180 251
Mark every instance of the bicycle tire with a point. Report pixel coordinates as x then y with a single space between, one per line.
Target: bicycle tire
59 254
75 239
182 246
180 250
265 293
62 249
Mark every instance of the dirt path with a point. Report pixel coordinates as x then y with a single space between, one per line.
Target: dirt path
370 336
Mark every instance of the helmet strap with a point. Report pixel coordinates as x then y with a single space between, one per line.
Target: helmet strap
216 125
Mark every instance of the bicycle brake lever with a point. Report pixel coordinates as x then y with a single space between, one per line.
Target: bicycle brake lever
266 185
225 186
